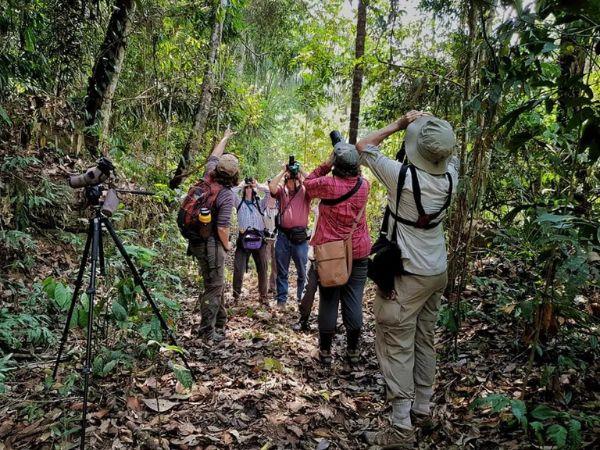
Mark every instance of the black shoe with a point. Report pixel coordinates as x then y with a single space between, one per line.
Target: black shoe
353 357
325 357
301 325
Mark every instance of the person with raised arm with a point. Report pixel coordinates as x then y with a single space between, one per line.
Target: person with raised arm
292 238
410 264
221 175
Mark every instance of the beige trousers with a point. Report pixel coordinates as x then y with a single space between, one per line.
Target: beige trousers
405 329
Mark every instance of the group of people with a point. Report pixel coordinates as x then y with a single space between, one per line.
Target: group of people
273 229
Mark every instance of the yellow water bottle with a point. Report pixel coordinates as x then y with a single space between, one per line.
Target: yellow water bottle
204 216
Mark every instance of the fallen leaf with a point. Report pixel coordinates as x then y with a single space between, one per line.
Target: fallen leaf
159 405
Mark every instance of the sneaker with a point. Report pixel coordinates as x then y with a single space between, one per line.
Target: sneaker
325 357
392 437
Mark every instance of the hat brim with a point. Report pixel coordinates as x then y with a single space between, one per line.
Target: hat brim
412 152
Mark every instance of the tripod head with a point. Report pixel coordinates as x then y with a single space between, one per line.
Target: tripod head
109 205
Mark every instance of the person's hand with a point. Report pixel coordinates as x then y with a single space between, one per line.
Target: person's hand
254 183
228 133
408 118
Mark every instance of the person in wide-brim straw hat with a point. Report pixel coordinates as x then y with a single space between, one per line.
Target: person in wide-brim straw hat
412 276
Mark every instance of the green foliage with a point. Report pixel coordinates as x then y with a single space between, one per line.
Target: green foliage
32 197
22 329
5 367
561 429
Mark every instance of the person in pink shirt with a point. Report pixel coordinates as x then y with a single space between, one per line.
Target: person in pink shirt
292 236
343 202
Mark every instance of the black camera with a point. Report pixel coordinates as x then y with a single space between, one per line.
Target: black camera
94 175
248 180
293 167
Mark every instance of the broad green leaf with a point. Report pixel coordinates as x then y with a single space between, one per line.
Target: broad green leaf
4 116
183 375
119 312
109 366
558 434
62 296
543 412
519 410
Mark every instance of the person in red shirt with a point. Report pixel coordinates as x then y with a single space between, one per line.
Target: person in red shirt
337 217
292 236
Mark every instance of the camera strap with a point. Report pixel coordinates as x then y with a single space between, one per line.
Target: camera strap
346 196
290 201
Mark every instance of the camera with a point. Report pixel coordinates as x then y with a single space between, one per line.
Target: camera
94 175
336 137
293 167
248 180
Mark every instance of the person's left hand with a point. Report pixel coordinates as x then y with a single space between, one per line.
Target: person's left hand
228 133
410 117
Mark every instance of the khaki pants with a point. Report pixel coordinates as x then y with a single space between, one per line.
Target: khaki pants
211 258
405 329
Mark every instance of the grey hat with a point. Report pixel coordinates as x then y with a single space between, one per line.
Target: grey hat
228 164
430 142
345 155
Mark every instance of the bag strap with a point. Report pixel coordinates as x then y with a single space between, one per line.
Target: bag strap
388 213
358 217
290 202
346 196
425 221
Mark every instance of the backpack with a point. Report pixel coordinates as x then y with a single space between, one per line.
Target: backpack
200 200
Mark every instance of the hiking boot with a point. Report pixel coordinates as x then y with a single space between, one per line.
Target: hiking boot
325 357
301 325
391 437
353 357
219 335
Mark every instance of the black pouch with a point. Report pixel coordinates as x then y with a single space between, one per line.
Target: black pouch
385 265
386 262
297 235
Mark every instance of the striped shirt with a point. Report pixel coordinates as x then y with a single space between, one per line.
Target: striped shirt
249 214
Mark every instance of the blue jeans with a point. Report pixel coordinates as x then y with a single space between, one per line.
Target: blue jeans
284 252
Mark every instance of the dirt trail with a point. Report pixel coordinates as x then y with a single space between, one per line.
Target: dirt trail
260 388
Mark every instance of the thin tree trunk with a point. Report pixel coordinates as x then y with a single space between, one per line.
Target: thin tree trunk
105 74
197 133
357 78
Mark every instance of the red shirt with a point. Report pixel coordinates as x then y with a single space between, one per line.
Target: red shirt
295 207
335 222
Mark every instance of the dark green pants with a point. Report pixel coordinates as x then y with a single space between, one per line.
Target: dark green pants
211 258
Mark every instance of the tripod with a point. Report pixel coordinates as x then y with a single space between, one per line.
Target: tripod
95 245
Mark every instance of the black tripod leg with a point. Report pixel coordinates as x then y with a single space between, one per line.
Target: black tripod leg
138 280
91 292
101 253
78 283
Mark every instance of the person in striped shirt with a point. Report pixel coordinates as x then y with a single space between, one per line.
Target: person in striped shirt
251 239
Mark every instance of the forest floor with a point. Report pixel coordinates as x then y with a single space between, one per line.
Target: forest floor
262 388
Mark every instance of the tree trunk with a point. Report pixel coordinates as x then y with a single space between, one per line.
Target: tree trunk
197 133
105 74
357 78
